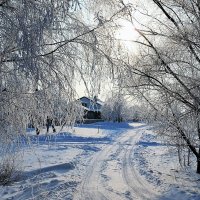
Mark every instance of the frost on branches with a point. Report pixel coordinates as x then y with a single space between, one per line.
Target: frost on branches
45 46
115 108
164 74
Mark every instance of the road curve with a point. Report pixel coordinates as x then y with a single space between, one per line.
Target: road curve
111 174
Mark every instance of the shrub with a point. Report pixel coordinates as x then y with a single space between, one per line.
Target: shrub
9 170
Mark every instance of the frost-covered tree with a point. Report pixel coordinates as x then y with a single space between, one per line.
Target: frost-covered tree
115 108
45 46
165 70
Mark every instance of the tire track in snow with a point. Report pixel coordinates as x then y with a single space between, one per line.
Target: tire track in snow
90 188
139 186
134 186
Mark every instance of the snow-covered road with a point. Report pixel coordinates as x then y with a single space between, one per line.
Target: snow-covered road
101 161
111 173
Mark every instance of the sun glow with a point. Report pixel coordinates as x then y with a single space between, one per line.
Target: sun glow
127 35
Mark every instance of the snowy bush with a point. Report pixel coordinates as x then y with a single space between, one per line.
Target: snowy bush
10 160
9 170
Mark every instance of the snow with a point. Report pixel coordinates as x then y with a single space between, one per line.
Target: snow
120 161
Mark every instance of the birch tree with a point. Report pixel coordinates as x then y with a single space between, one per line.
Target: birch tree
165 71
45 45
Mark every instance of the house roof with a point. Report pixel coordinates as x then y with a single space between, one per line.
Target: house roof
93 105
92 100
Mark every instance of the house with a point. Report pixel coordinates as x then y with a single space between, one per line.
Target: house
92 107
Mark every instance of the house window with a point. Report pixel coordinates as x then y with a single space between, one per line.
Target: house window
84 104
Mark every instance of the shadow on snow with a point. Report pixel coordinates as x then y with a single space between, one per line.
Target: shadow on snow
107 125
152 144
63 137
65 167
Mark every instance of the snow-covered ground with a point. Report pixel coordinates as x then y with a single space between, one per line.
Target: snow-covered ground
101 161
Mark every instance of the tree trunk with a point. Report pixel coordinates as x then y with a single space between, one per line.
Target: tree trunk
198 165
188 160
